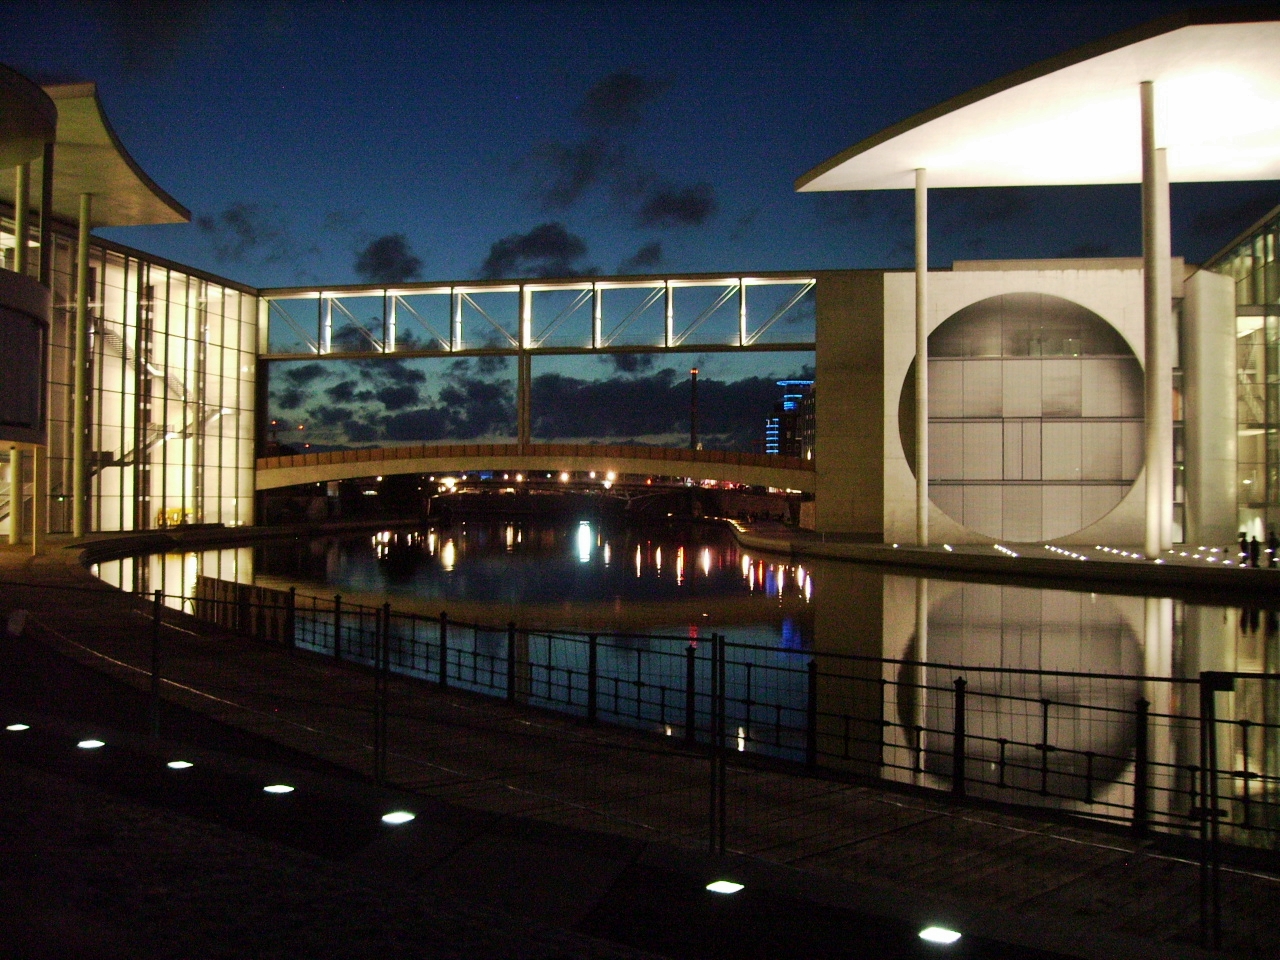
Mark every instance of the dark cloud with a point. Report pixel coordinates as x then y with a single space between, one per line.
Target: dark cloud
844 208
152 33
344 392
358 432
548 250
397 398
629 362
299 376
394 371
479 408
388 259
245 230
489 364
567 170
291 398
617 100
672 206
644 260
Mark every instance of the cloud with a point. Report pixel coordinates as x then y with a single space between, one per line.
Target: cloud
672 206
629 362
388 259
617 100
395 371
243 230
548 250
568 170
343 392
397 398
291 398
299 376
644 260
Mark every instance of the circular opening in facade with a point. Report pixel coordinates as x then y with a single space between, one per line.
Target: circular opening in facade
1035 417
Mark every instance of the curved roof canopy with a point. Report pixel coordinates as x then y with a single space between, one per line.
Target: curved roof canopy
28 118
89 158
1076 118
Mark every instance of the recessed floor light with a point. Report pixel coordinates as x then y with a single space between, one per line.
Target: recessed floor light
278 788
15 727
724 886
397 817
179 765
90 744
939 935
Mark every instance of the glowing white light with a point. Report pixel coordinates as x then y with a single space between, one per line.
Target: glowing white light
397 817
946 547
724 886
608 554
584 542
657 559
939 935
448 555
278 788
637 560
564 478
704 561
179 765
16 727
90 744
742 739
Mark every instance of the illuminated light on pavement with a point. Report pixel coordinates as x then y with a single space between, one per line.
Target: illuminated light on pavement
179 765
17 727
397 817
724 886
90 744
278 788
939 935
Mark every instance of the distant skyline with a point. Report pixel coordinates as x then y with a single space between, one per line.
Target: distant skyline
324 142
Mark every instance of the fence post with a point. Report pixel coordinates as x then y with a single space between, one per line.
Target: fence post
690 693
291 618
511 662
444 649
156 612
1211 681
811 718
337 626
957 741
593 661
1141 772
714 751
722 780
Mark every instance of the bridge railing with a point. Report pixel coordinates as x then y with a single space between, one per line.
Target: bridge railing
550 451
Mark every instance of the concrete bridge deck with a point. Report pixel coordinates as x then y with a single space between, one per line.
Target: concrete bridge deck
753 469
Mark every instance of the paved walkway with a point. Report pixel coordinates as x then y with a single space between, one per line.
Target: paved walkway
590 829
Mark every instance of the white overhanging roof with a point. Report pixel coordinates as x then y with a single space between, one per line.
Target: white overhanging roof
1076 119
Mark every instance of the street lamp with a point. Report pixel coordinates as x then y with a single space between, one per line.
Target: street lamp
693 409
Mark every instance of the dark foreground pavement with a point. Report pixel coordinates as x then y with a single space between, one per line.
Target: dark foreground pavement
110 853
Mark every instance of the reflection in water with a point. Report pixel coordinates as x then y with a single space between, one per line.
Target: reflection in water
889 648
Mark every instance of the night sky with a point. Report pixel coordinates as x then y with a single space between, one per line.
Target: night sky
382 142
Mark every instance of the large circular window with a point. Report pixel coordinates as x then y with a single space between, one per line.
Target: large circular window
1035 417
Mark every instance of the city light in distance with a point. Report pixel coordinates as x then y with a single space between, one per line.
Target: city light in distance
179 765
16 727
397 817
939 935
724 886
278 788
90 744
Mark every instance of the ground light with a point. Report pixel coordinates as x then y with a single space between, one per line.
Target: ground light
397 817
278 788
90 744
939 935
179 765
724 886
16 727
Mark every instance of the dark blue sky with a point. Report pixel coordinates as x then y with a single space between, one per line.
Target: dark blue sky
334 142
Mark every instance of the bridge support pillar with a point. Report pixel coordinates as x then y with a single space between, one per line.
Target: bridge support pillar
524 403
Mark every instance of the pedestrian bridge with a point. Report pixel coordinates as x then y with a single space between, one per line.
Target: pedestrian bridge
754 469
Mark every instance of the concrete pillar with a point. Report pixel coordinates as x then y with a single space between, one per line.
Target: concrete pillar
15 495
922 359
1157 297
39 487
80 393
46 217
524 401
1209 400
21 207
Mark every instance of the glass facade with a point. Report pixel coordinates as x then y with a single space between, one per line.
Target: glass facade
1252 263
171 421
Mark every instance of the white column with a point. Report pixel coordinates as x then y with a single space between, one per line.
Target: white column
1158 347
39 485
21 207
15 494
80 394
922 359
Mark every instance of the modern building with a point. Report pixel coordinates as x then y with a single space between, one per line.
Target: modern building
992 401
784 429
